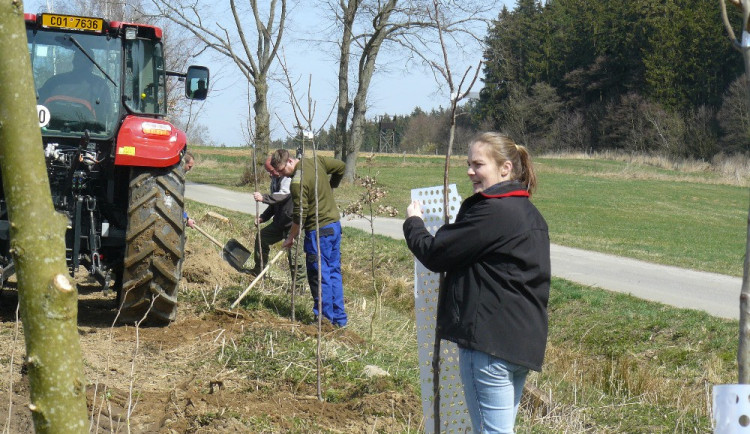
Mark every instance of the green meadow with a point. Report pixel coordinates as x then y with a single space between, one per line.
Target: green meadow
686 218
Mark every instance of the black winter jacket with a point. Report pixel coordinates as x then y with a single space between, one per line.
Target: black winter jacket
497 263
279 203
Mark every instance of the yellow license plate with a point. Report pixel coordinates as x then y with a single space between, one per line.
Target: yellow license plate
73 23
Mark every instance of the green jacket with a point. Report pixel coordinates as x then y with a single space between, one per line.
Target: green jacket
304 187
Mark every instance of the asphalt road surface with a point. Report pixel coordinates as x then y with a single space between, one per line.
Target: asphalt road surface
714 293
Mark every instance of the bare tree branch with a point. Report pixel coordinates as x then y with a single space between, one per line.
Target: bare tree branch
730 32
253 64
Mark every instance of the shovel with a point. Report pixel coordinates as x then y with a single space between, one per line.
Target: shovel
233 252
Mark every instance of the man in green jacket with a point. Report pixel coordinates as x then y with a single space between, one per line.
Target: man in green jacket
312 194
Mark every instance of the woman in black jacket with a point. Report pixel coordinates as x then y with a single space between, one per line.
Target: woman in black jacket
493 301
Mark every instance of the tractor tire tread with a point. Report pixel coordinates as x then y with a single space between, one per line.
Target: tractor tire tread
155 240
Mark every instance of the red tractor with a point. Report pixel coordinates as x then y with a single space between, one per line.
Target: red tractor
115 165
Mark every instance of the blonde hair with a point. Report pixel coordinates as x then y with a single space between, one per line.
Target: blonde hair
502 148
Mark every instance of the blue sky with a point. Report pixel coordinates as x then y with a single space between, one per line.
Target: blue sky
395 89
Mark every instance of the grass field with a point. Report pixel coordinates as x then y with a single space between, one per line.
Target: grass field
683 218
614 363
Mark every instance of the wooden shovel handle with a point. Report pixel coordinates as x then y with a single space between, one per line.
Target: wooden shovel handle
257 278
196 227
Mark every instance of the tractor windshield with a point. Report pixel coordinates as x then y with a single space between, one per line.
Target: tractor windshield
77 78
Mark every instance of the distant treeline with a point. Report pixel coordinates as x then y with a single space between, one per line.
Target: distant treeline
647 76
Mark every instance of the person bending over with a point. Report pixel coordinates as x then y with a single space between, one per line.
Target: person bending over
279 212
305 184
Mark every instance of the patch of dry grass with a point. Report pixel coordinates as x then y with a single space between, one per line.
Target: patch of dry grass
722 169
615 363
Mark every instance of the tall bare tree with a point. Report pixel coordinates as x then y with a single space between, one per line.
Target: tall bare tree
345 15
48 299
365 27
743 46
370 43
230 40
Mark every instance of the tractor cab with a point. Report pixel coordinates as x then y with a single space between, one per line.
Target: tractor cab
90 73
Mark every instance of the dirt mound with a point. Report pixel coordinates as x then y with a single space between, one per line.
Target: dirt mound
160 384
167 380
204 266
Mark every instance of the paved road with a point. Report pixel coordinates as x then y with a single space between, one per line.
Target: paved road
714 293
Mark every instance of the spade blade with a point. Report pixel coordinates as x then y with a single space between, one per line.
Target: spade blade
235 254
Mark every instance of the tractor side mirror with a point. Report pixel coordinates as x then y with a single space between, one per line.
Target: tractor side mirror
196 82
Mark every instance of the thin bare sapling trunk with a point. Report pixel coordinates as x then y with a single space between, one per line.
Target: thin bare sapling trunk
252 141
371 197
457 93
319 276
743 358
304 126
257 205
297 242
48 299
743 351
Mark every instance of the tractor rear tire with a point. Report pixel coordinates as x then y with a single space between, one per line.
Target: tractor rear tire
155 246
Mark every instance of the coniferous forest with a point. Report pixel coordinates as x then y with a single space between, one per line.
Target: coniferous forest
648 76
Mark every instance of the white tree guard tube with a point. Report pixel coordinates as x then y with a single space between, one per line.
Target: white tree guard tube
453 415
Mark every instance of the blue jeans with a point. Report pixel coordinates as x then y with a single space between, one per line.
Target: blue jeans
492 388
332 288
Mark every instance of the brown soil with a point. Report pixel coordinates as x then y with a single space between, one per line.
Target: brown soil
174 384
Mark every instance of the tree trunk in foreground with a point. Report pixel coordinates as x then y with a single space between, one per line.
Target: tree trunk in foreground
743 351
48 299
743 46
743 357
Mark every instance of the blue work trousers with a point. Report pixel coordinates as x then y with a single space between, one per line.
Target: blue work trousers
332 288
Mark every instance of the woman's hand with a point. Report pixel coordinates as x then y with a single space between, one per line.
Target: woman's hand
414 209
